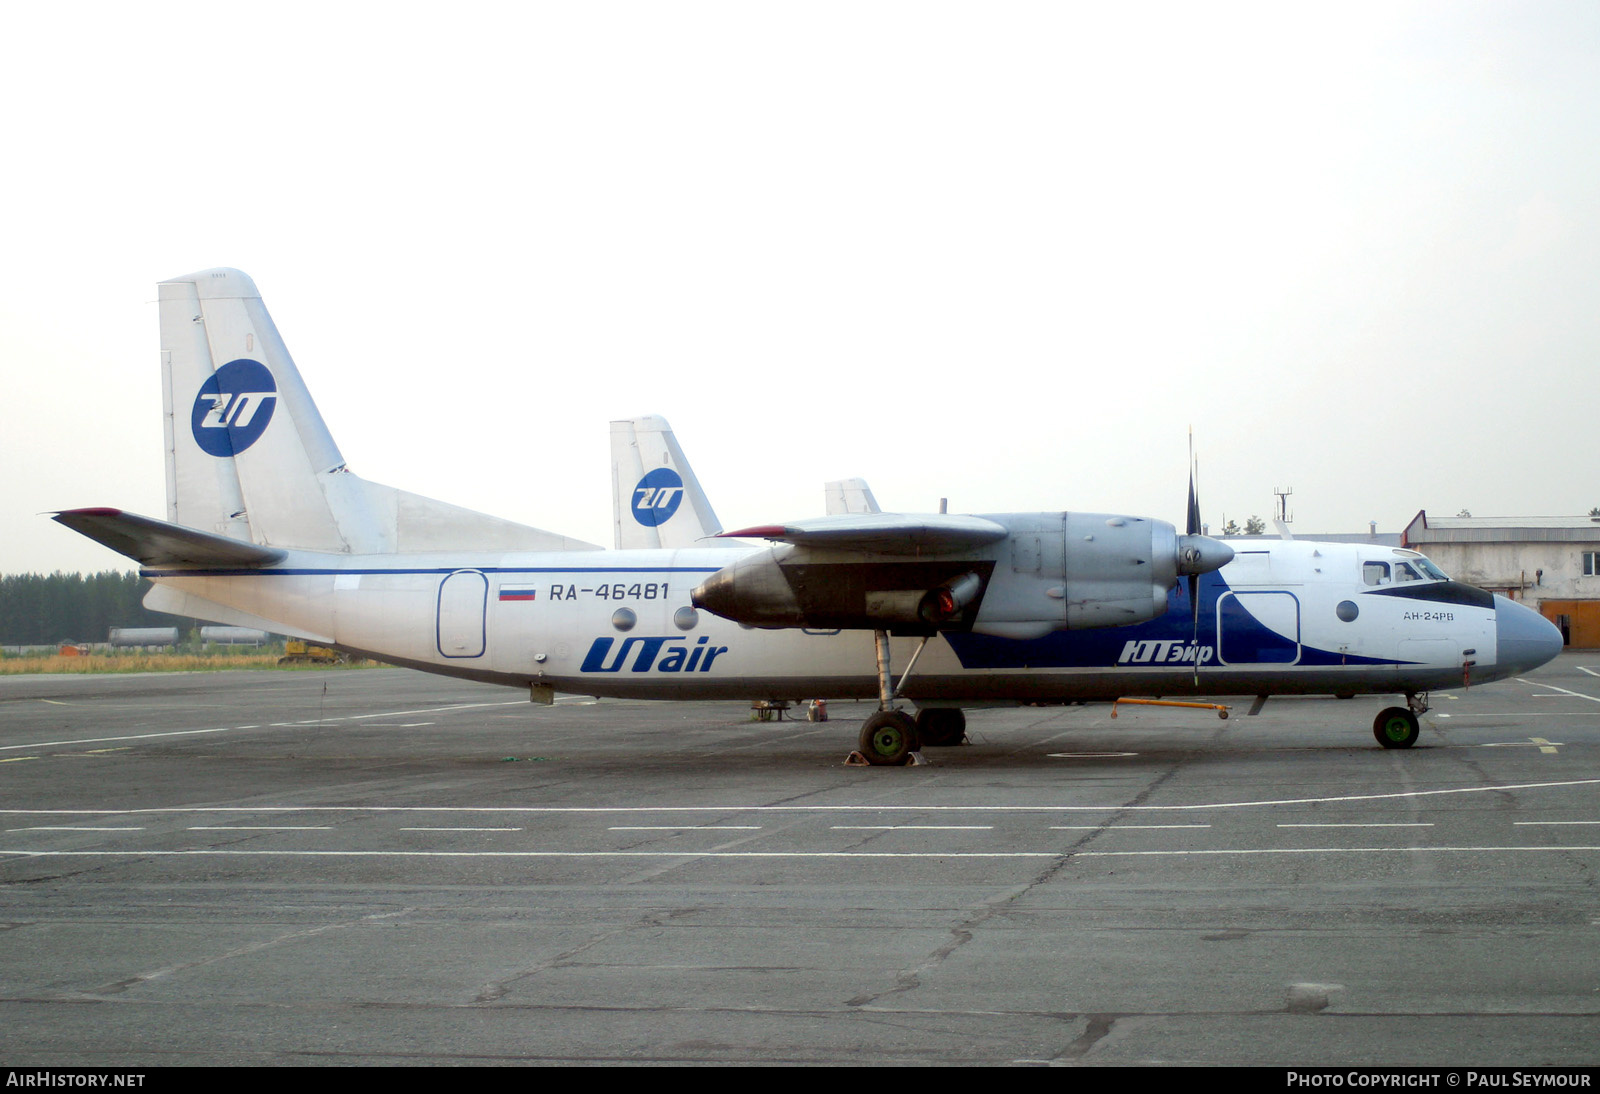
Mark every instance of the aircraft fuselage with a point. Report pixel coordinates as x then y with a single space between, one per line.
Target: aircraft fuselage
1283 617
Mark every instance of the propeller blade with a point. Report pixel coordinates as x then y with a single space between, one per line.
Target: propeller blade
1194 618
1194 497
1193 529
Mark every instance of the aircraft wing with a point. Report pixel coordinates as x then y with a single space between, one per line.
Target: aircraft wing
1017 575
157 543
888 533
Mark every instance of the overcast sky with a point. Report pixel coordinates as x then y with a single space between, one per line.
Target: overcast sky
1003 253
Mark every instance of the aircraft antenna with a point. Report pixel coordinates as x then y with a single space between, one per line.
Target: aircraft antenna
1283 503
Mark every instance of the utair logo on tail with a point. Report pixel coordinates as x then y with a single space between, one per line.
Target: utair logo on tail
233 407
657 497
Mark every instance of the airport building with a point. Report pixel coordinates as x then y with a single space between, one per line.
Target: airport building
1552 564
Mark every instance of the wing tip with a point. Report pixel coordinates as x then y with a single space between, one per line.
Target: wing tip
760 531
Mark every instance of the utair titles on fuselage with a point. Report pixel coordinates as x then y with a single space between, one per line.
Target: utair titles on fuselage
266 527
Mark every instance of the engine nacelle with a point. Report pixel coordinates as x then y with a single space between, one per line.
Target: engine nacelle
1051 571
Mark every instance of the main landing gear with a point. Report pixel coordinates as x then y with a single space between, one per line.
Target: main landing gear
941 727
888 738
892 737
1398 727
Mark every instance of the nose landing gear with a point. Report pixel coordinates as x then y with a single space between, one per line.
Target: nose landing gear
1398 727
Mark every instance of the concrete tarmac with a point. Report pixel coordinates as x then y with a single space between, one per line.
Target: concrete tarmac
378 866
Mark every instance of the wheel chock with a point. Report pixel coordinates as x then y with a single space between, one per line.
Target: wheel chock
914 759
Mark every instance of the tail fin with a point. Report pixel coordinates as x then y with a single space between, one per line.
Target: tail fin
656 501
849 496
249 457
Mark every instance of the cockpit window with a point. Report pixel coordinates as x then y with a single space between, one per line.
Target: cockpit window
1431 570
1404 572
1375 573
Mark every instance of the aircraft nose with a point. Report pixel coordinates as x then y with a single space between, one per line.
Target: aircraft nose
1524 639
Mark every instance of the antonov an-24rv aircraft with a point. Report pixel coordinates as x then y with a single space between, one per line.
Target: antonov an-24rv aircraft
267 528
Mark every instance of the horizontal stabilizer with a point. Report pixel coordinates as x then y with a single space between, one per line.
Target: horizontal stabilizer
891 533
157 543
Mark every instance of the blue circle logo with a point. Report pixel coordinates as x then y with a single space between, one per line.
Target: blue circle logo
232 408
657 497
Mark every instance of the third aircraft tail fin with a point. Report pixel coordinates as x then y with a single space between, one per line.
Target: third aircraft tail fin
849 496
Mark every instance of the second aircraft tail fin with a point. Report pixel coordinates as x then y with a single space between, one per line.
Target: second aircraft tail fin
656 501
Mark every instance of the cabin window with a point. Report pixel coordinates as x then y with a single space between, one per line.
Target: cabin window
1375 573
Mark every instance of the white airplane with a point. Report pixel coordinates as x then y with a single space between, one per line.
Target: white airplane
267 528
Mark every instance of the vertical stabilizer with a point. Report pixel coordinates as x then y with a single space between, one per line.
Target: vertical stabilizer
656 501
249 457
849 496
248 454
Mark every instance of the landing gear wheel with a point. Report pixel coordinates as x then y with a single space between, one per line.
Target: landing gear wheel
888 738
1396 727
941 727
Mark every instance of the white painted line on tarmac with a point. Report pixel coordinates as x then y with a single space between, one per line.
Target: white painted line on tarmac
442 829
1384 824
911 827
1547 747
1563 691
726 807
1117 827
429 710
260 827
1242 852
273 725
73 828
1554 822
124 737
684 828
1245 851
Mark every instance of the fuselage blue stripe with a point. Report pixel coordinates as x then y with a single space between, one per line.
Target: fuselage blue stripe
253 571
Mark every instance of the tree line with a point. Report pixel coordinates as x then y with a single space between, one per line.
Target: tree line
40 609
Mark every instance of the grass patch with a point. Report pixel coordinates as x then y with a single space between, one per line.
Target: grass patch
158 662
